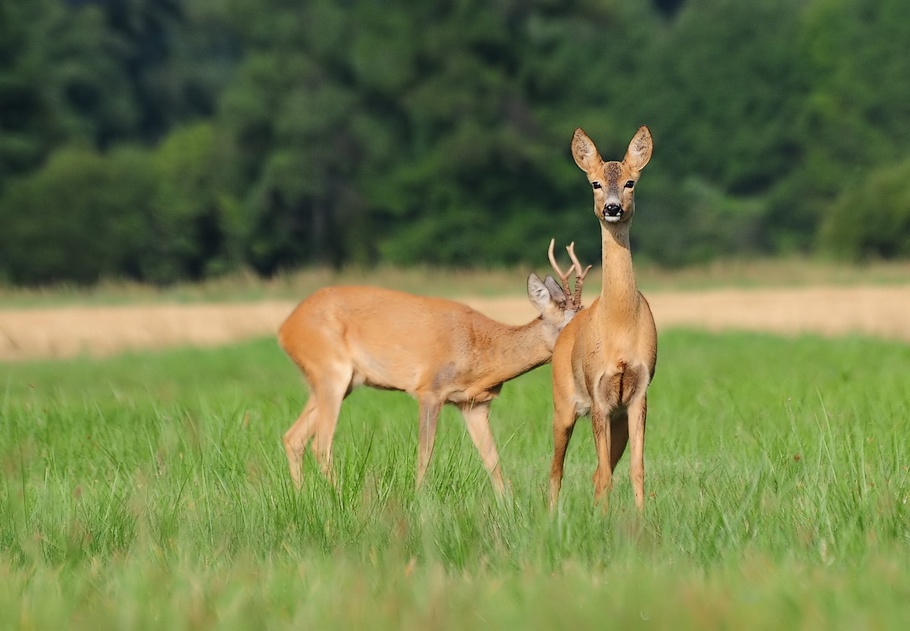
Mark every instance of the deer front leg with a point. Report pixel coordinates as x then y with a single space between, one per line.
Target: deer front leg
638 412
603 474
477 420
563 425
429 415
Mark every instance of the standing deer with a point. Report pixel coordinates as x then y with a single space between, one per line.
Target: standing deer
436 350
604 359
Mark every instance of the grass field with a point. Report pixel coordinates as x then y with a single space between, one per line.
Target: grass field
151 491
294 285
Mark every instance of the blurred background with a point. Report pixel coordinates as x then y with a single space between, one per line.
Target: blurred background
167 140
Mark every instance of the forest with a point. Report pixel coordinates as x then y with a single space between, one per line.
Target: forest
169 140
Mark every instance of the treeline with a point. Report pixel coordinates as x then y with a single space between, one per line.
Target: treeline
166 139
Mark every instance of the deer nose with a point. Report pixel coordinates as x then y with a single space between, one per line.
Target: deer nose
612 210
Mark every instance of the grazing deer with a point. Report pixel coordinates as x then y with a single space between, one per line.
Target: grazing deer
436 350
604 359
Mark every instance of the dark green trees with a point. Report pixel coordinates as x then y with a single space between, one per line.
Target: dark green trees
162 140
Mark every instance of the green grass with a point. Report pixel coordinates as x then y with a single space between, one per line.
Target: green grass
150 491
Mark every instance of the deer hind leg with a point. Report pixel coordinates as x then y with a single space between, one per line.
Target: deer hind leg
298 437
477 420
333 388
426 435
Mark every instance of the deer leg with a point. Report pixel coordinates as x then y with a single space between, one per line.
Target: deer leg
603 474
298 436
477 420
429 415
563 425
333 392
638 412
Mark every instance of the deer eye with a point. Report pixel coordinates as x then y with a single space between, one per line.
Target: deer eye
595 184
630 184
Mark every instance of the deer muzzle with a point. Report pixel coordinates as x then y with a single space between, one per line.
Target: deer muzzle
612 212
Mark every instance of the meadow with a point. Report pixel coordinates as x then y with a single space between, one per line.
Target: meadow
150 490
245 286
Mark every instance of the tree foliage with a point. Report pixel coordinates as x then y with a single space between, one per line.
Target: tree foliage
872 219
164 140
79 217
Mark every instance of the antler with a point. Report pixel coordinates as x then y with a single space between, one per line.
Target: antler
579 274
573 298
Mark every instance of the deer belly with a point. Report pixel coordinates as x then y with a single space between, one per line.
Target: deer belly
386 373
471 396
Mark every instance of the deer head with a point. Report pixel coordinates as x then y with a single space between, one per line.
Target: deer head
613 182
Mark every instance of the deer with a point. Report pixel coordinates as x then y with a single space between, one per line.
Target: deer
604 359
437 350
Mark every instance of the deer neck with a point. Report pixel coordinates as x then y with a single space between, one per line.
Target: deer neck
619 297
516 349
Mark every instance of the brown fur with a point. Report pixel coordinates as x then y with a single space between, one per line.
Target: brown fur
436 350
605 358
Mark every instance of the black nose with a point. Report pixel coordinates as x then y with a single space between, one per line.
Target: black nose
612 210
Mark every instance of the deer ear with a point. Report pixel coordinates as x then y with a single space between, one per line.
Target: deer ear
584 151
556 292
639 152
538 293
